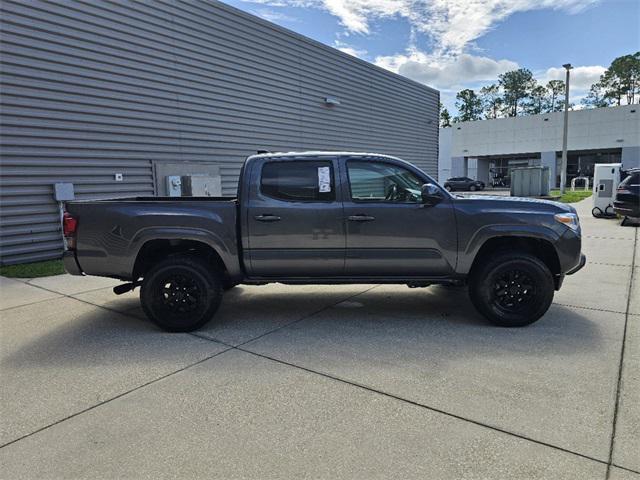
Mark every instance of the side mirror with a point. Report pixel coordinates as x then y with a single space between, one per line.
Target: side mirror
431 194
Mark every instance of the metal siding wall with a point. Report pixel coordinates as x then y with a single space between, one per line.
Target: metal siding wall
90 89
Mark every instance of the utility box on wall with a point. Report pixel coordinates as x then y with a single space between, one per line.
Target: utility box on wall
201 186
187 179
530 182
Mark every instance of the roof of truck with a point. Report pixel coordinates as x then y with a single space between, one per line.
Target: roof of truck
320 153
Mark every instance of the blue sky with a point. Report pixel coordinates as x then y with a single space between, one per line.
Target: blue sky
455 44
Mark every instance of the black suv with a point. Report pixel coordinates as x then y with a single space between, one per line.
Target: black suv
627 201
463 183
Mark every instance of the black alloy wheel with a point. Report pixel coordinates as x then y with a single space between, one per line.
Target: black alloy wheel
512 289
181 293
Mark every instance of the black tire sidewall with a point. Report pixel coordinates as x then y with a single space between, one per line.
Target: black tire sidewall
482 282
208 282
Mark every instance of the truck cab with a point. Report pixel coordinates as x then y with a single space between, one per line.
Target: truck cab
344 216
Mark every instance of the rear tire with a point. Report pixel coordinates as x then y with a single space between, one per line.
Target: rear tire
181 294
472 188
448 188
512 290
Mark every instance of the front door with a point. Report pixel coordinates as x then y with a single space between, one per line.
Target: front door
390 232
295 222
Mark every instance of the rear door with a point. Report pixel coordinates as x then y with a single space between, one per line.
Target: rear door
295 219
390 232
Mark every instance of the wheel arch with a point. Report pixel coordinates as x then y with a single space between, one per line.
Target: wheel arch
541 248
153 251
223 252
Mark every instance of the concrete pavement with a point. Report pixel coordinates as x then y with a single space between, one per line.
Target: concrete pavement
327 382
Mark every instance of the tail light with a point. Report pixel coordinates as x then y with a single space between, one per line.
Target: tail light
69 227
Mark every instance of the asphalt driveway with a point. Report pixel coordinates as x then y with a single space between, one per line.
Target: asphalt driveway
327 382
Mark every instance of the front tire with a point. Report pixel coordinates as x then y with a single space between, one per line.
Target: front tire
448 188
472 188
181 294
512 290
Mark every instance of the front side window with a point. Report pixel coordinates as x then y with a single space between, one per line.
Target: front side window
383 182
298 181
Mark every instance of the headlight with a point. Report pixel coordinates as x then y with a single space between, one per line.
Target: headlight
571 220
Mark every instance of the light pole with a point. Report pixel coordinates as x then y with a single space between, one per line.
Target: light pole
563 166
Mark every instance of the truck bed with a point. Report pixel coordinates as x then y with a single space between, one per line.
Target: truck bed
112 232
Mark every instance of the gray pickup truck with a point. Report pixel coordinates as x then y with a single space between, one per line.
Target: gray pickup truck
326 218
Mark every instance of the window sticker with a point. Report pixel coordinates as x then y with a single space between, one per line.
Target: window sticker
324 179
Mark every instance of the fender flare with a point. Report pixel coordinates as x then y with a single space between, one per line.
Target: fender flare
229 257
489 232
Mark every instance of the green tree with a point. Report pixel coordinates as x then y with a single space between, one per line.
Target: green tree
621 81
596 97
556 91
516 84
492 101
538 101
445 116
469 105
611 88
627 70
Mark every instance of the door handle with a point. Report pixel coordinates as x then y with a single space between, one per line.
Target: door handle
267 217
360 218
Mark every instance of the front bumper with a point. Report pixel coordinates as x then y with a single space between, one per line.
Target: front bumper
626 209
582 263
70 263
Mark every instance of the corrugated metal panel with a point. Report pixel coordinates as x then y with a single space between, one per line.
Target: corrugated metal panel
90 89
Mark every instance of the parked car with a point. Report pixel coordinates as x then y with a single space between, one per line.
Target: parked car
463 183
326 218
627 201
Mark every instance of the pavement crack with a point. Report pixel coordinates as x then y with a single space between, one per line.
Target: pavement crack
323 309
590 308
424 406
32 303
621 363
115 397
293 322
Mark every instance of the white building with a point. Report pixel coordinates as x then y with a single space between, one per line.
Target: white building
487 149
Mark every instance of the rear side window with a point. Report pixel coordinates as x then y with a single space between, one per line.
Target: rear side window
298 181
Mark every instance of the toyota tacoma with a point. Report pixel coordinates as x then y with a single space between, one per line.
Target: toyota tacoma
326 218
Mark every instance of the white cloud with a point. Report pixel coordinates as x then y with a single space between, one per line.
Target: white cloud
446 73
452 27
274 15
454 24
451 24
349 49
581 77
356 15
